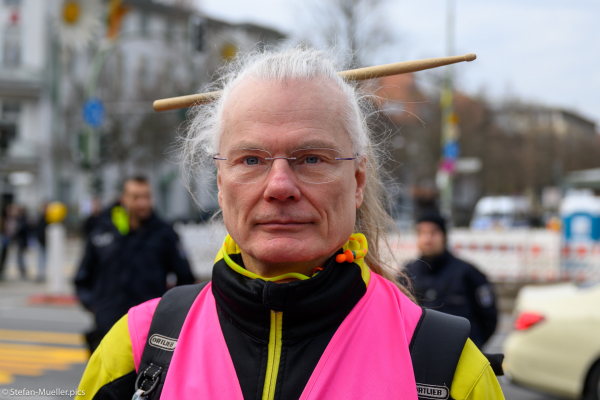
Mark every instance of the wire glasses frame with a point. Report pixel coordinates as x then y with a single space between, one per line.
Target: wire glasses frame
312 165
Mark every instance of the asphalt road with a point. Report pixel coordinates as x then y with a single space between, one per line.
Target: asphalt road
41 347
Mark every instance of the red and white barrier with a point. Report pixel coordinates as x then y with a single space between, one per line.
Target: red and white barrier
515 255
510 255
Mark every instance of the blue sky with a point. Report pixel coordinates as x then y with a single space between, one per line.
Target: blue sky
546 51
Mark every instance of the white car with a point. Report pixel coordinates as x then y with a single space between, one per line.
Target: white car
555 347
501 212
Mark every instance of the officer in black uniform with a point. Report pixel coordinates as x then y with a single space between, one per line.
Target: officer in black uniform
445 283
128 255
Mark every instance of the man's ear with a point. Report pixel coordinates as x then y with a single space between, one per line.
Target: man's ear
361 180
220 194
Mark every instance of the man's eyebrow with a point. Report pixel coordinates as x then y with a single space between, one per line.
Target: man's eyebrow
245 145
309 144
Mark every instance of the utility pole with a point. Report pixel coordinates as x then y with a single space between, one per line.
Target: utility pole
450 132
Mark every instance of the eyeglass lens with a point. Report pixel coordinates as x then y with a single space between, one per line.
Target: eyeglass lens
314 165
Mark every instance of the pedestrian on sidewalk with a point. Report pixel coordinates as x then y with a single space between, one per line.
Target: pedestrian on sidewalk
21 238
128 255
40 231
5 235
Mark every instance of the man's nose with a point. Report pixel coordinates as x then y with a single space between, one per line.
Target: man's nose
282 182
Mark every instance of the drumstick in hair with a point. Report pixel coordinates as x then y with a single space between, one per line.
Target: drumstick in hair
359 74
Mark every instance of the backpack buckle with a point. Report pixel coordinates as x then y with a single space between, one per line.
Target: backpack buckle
139 395
146 382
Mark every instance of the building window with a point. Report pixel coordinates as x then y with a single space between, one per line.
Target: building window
11 111
8 124
143 74
168 30
144 23
11 51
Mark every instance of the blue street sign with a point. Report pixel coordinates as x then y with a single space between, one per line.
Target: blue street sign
451 150
93 112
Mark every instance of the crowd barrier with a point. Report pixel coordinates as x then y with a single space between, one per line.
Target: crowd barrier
520 255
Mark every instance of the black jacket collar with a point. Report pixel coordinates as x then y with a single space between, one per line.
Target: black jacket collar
309 307
106 223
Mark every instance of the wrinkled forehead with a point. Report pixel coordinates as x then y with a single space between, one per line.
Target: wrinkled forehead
284 116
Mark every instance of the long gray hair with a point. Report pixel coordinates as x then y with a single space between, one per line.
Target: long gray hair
203 133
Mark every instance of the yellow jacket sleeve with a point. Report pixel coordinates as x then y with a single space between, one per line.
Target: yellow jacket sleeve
474 378
111 365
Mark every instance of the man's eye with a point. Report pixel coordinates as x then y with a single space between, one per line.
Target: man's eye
312 159
251 160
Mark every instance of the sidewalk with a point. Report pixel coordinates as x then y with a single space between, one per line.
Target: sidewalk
73 254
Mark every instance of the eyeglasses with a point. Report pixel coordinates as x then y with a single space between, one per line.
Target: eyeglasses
309 165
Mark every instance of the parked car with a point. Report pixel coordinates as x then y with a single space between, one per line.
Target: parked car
501 212
555 347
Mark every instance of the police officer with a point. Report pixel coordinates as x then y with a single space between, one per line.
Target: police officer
128 255
450 285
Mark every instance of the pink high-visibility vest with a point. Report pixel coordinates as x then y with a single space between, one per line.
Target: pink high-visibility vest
367 357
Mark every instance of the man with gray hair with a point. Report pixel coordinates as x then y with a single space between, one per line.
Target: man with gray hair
302 304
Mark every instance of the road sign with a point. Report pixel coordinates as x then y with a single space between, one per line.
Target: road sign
451 150
468 165
93 112
447 165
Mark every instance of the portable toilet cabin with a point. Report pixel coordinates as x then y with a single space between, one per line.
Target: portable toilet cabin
580 215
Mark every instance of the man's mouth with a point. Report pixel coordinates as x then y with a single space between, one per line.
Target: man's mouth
283 224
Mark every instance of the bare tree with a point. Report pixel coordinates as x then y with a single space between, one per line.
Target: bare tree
133 137
356 28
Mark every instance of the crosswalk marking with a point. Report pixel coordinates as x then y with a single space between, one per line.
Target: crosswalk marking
31 353
5 377
41 337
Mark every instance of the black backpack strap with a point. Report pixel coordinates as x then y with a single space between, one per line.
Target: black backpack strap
435 349
168 319
496 362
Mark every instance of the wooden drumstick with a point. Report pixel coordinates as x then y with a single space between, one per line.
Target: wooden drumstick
359 74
